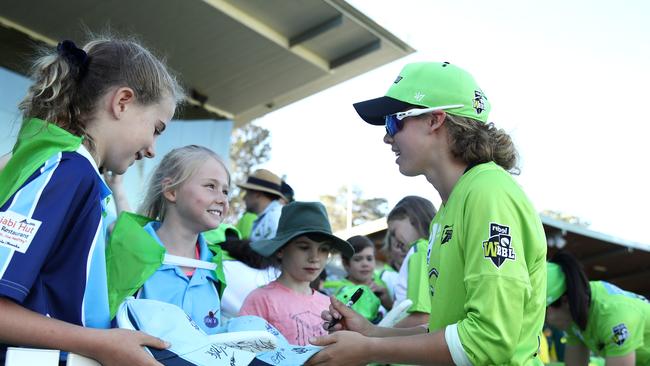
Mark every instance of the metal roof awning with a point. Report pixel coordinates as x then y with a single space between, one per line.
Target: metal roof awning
622 262
239 58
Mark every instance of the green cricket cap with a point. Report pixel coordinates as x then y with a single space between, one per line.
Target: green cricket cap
430 85
555 282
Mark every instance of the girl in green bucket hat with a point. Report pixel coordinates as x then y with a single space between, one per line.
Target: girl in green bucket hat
302 247
597 316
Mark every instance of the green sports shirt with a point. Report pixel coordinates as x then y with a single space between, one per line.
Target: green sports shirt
618 324
417 286
245 224
487 270
367 305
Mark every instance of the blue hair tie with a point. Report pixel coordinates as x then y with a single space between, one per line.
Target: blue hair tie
73 55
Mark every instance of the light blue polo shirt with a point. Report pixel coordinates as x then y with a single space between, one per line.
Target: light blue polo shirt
198 296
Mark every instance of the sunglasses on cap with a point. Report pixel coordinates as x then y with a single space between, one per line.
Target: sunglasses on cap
395 122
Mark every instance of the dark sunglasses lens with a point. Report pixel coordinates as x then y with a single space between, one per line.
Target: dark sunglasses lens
392 125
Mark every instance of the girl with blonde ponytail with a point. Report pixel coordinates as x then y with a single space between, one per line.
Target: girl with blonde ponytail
91 109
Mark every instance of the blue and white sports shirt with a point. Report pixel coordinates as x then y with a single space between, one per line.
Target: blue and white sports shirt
62 272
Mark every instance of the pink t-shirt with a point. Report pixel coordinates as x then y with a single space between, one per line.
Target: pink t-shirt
295 315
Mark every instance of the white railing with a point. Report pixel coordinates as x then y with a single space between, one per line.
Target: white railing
17 356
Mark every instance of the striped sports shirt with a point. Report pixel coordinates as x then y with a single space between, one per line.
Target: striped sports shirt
62 273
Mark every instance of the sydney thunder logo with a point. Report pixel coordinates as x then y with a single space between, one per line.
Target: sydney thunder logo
479 101
498 246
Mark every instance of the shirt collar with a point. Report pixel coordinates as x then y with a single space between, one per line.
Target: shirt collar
204 252
103 187
270 207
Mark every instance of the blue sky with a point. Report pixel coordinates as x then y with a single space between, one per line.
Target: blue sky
569 80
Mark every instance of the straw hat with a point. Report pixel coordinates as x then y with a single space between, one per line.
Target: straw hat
265 181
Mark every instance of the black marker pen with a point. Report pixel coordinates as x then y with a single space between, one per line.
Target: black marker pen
353 299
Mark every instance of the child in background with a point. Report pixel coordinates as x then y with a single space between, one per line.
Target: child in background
94 109
361 268
408 227
389 272
302 246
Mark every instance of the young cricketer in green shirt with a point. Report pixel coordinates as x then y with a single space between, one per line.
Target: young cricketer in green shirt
487 250
597 316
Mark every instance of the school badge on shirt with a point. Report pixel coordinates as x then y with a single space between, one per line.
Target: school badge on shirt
17 231
210 320
498 247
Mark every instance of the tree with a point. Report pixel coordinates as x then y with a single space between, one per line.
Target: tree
249 147
363 210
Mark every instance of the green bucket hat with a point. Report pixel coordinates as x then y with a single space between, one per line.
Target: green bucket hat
300 218
555 282
432 85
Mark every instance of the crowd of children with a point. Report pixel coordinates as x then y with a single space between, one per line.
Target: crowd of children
475 271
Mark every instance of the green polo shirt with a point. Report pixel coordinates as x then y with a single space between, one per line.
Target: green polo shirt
618 324
487 268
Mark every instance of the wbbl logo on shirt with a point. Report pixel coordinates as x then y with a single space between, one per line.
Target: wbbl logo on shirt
498 246
620 334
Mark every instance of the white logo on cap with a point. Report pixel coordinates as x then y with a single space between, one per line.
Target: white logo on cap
418 96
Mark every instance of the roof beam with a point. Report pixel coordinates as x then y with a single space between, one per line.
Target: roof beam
638 273
271 34
355 54
31 33
316 31
598 258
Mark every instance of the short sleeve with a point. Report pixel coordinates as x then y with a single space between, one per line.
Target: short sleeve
495 276
621 333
